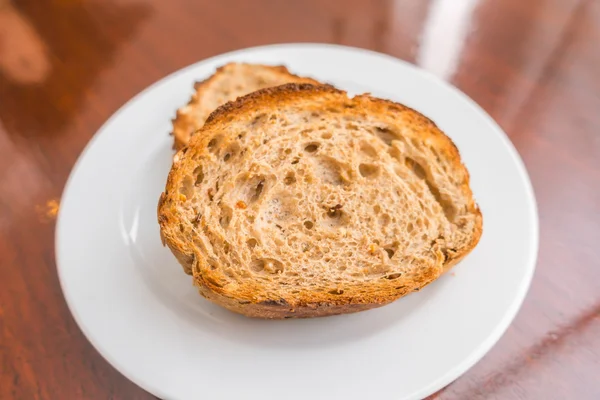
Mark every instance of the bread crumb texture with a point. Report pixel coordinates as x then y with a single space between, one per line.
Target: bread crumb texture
297 201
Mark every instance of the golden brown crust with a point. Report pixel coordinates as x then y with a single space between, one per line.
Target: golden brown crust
251 301
275 310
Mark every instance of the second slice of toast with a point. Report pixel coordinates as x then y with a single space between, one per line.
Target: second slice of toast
227 84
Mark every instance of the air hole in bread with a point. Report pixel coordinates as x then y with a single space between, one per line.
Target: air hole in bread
378 269
435 153
328 171
232 149
181 228
410 227
290 178
377 208
415 167
199 174
295 161
390 252
401 173
267 265
429 212
229 273
342 268
249 189
326 135
336 291
187 187
252 243
396 151
308 224
368 170
334 219
259 119
258 191
311 148
384 220
257 265
213 143
226 214
393 276
385 134
273 266
449 209
226 248
351 127
288 151
368 150
212 263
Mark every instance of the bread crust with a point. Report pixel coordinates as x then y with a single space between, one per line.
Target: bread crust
251 301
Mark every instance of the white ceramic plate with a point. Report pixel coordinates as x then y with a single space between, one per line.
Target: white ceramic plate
137 307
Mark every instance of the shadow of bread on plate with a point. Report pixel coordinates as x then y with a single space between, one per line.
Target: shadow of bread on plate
297 201
229 82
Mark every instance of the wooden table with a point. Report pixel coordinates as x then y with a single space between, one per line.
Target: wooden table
534 65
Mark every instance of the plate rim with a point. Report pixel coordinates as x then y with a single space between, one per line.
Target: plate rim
452 374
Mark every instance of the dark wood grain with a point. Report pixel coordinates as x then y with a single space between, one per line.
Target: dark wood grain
66 66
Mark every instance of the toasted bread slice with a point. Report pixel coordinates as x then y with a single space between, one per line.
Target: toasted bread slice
297 201
227 84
